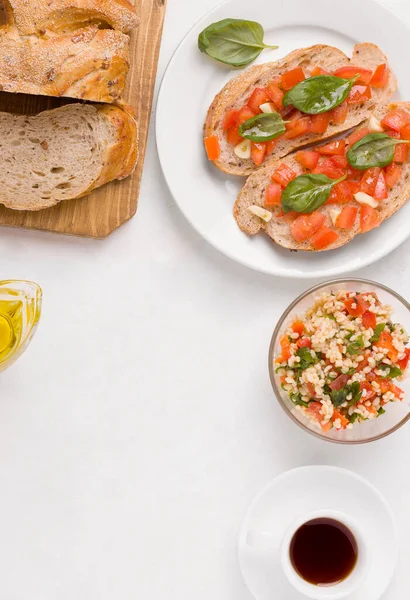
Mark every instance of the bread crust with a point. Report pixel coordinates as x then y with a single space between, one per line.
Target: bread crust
236 92
39 16
278 229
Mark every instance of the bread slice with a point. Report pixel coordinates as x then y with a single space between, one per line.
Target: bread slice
63 153
89 64
63 16
278 228
237 91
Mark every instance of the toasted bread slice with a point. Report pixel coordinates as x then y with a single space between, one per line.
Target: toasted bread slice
62 16
278 228
64 153
236 93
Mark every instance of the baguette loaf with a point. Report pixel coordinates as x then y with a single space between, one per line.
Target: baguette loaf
62 16
64 153
89 64
278 228
236 93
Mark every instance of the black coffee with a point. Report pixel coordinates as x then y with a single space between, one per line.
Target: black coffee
323 551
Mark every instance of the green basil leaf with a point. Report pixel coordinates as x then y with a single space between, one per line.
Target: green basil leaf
263 128
391 371
319 94
306 359
234 42
355 347
297 400
373 150
377 332
307 193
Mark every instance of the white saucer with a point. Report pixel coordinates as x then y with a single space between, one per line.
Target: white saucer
306 489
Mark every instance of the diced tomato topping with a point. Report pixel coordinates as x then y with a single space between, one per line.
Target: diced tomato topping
307 158
370 392
258 150
394 134
347 217
359 94
403 363
332 148
306 225
297 128
380 77
339 114
229 119
340 161
369 319
343 420
392 174
386 342
275 94
320 123
288 217
401 153
353 174
244 114
357 135
405 132
348 72
283 175
380 191
396 119
212 147
304 343
340 194
354 186
259 96
369 218
273 195
315 411
340 382
398 392
327 167
369 180
323 238
292 78
270 146
232 135
319 71
298 327
356 305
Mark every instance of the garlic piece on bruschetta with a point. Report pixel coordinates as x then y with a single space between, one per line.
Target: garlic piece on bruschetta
243 149
374 125
334 213
363 198
268 107
260 212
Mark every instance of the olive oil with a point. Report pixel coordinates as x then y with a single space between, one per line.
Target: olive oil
20 309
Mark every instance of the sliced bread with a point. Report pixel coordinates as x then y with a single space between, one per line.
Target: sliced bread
63 153
236 93
278 228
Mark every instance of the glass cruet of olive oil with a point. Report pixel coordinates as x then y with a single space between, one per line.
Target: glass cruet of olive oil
20 310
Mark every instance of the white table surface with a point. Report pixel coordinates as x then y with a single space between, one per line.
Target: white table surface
140 423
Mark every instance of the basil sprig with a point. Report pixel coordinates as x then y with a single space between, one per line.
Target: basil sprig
234 42
319 94
263 128
373 150
307 193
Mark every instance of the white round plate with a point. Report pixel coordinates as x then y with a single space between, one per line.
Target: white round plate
204 194
308 489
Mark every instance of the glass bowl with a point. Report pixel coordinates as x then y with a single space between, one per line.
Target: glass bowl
397 413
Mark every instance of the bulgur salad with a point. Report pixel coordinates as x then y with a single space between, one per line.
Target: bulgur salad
339 361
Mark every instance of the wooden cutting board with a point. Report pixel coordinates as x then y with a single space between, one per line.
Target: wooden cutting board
98 214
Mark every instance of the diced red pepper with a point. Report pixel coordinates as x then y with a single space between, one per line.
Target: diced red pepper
356 305
380 191
357 135
337 416
369 180
369 218
298 327
285 349
259 96
273 195
297 127
275 94
370 392
258 151
385 341
380 77
392 174
396 119
348 72
369 319
347 217
320 123
307 158
359 94
337 147
229 119
323 238
339 114
212 147
283 175
292 78
403 363
306 225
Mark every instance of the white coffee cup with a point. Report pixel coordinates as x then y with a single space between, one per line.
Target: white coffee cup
261 542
